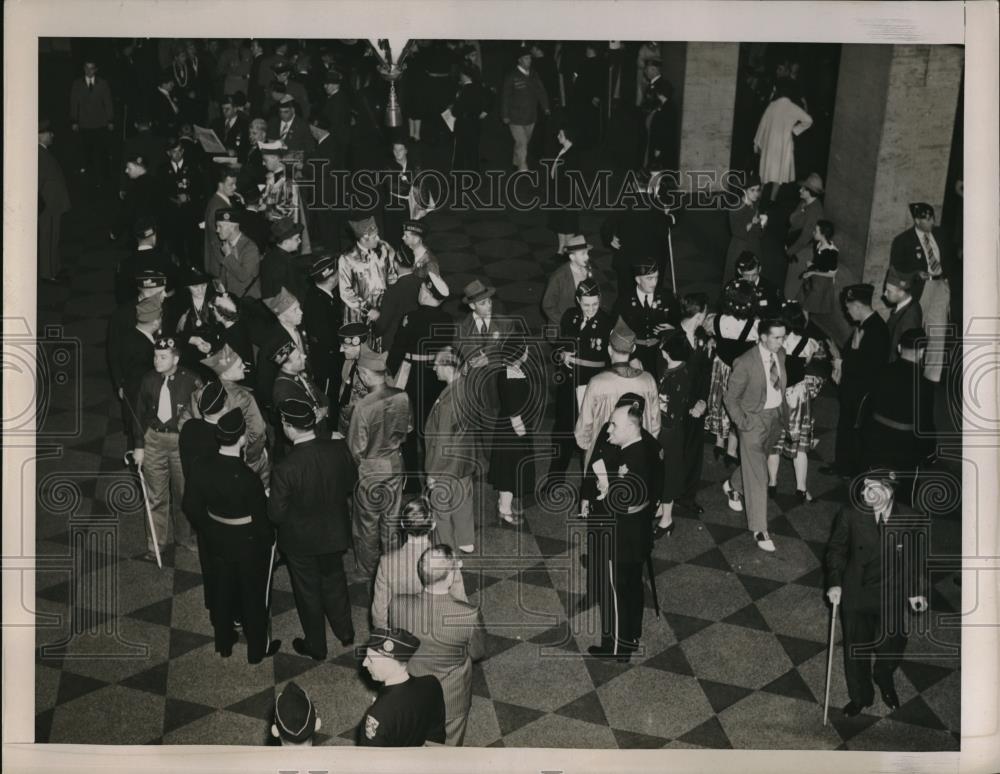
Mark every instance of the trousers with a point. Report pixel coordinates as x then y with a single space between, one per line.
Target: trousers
242 585
935 303
453 512
320 588
750 478
870 651
164 476
522 136
376 510
621 601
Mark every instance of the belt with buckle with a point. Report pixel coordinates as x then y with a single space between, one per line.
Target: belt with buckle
937 277
231 521
892 423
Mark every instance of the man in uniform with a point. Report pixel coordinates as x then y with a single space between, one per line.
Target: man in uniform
292 381
648 311
352 389
625 472
451 635
288 311
380 423
225 196
448 458
337 112
226 500
413 238
311 491
906 313
925 254
856 372
399 299
366 270
321 317
408 711
768 296
239 267
148 258
295 718
183 187
281 266
161 409
874 570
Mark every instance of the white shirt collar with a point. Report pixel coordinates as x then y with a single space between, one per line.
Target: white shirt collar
525 72
904 303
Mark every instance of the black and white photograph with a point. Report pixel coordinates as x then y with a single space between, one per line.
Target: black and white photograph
614 403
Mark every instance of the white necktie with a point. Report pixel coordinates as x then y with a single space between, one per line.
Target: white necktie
163 411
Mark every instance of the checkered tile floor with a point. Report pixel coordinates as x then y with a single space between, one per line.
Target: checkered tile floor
737 659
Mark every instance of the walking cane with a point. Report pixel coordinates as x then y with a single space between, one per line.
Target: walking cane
829 663
670 246
130 461
652 583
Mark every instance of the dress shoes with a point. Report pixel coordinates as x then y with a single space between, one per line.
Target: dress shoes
890 698
347 642
772 491
764 542
273 648
733 498
852 708
299 646
623 656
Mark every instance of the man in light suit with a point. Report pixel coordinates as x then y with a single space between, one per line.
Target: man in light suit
755 399
450 632
92 116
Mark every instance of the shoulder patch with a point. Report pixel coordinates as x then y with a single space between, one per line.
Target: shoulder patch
371 727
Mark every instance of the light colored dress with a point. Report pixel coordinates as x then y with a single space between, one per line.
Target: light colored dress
781 123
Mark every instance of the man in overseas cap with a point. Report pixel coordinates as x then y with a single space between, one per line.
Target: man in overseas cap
365 271
321 316
604 389
874 581
293 381
408 711
295 719
380 422
648 310
560 291
926 254
855 371
226 502
162 406
413 237
311 490
239 267
288 311
906 312
401 297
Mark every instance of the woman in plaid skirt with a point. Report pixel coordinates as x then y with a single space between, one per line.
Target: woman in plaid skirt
734 331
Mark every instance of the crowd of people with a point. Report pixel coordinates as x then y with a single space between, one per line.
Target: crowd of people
293 391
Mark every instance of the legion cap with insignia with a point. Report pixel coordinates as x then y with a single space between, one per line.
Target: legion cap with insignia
294 714
284 229
221 361
921 210
353 334
437 286
588 287
144 228
395 643
363 227
323 267
643 267
281 302
630 400
415 227
901 281
149 309
212 398
576 242
372 360
622 337
297 413
230 427
913 338
282 353
477 291
881 476
162 342
747 261
862 293
227 215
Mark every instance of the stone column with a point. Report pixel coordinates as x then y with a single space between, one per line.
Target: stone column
709 95
891 142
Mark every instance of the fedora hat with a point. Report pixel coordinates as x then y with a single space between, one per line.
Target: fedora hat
476 291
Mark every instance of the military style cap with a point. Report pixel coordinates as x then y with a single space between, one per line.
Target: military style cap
747 261
862 293
284 229
323 267
588 287
576 242
221 361
395 643
281 302
332 76
297 413
630 399
282 353
353 334
914 338
144 228
137 159
881 476
149 309
294 714
921 210
227 215
446 357
271 149
146 279
230 427
372 360
414 226
622 338
212 398
363 227
477 291
173 142
163 343
281 67
901 281
437 286
643 267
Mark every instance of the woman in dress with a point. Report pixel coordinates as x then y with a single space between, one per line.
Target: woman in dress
818 295
801 227
734 330
199 332
805 361
675 395
512 467
781 123
746 225
565 219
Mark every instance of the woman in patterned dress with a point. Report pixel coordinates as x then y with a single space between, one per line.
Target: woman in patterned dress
805 361
734 330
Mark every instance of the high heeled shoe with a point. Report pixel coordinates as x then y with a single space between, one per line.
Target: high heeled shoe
803 496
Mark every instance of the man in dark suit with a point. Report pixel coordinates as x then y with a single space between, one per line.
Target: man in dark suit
321 317
662 147
232 128
874 568
92 116
905 315
182 185
53 203
336 110
755 399
856 372
290 129
325 213
925 254
769 297
648 310
311 490
130 348
164 108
